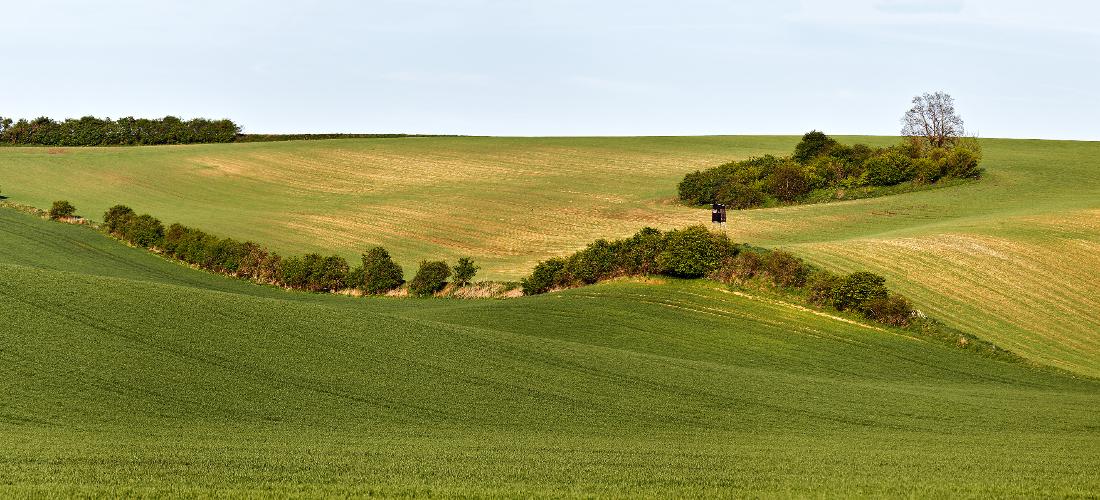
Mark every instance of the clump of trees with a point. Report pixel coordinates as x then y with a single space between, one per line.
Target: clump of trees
430 278
62 209
128 131
696 252
380 273
377 275
935 149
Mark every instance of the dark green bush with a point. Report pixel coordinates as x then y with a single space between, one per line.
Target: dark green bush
295 271
544 277
785 269
892 310
857 289
638 254
927 170
116 217
821 287
464 271
746 265
789 181
740 196
813 145
355 277
329 274
888 169
143 231
380 273
698 188
961 164
62 208
430 278
693 252
595 262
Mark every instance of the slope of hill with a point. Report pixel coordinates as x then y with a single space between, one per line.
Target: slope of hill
124 374
1012 258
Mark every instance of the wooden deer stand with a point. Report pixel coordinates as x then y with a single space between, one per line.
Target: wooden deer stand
718 214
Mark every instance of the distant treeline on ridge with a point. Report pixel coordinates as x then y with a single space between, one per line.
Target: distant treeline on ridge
130 131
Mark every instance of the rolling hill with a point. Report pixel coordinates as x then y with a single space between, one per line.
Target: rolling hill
126 374
1011 258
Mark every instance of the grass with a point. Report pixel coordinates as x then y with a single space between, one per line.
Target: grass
124 374
1011 258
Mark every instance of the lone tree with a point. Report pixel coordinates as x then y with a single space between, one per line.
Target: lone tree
62 209
933 119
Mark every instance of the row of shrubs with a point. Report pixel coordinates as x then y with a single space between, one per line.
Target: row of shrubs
696 252
377 274
128 131
820 162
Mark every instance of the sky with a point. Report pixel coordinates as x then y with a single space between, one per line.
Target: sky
558 67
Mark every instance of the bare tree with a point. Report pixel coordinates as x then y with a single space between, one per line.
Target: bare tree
933 118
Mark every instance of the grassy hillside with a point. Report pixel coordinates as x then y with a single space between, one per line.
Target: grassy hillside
123 373
1012 258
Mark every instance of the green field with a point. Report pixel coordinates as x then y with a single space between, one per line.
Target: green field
125 374
1012 258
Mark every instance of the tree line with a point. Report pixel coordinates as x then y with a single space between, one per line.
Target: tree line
934 149
128 131
696 252
377 273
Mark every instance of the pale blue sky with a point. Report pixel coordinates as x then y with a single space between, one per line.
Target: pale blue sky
560 67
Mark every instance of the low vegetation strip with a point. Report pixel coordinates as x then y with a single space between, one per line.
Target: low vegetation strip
822 168
696 252
935 149
378 274
693 252
130 131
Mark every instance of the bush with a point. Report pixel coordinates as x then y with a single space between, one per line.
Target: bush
295 271
464 271
116 217
430 278
927 170
892 310
740 196
595 262
329 274
888 169
544 277
638 254
788 182
144 231
355 277
961 164
693 252
785 269
821 287
380 273
61 209
743 267
697 188
857 289
813 145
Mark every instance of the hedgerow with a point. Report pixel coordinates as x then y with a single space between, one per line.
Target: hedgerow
696 252
430 278
821 163
92 131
